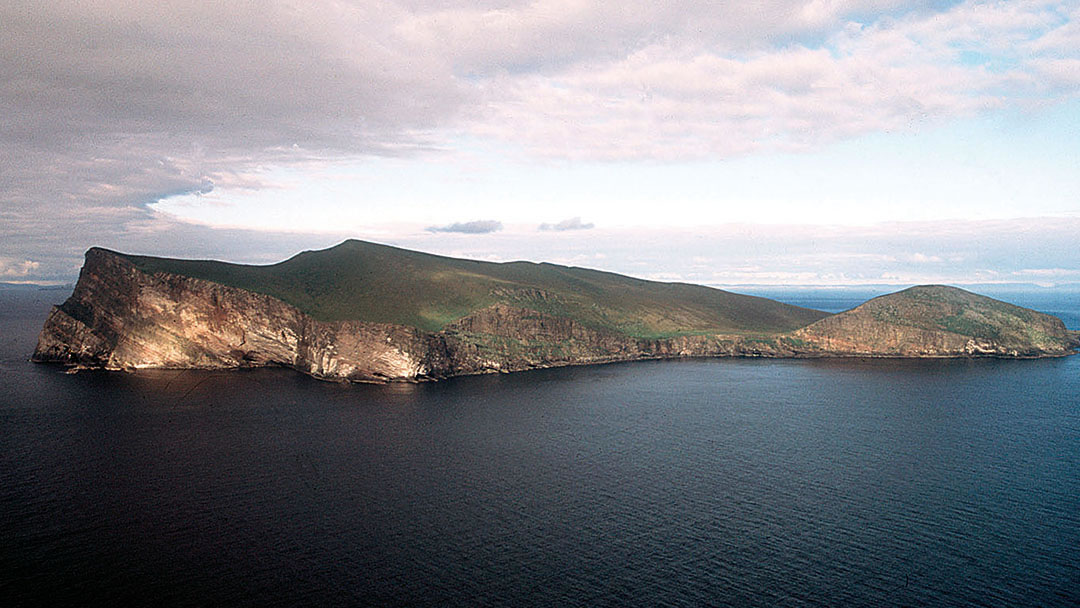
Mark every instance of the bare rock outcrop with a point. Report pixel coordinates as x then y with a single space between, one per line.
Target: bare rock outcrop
121 318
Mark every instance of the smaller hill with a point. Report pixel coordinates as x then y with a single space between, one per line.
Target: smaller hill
940 321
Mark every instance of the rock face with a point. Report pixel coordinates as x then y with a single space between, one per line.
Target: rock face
120 317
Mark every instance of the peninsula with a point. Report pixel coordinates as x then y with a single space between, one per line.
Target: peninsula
361 311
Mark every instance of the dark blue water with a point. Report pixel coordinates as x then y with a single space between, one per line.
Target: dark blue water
681 483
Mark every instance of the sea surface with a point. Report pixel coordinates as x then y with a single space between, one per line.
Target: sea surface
737 482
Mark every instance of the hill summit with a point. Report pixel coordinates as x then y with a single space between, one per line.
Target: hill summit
938 320
361 281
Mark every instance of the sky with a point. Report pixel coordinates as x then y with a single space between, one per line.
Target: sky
727 143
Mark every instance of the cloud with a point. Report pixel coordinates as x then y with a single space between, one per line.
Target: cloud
955 252
543 36
476 227
110 106
573 223
10 268
680 97
1039 250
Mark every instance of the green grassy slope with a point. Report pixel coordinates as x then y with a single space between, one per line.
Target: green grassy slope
950 309
364 281
965 313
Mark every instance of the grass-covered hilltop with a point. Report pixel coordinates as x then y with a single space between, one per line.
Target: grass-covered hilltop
361 281
930 319
367 312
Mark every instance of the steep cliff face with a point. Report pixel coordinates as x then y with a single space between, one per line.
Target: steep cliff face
122 317
119 317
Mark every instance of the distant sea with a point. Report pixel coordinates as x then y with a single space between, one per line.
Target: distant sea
739 482
1062 302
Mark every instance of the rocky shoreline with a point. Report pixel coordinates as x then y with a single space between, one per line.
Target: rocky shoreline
122 318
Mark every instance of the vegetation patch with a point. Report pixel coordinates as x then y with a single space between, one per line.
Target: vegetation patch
364 281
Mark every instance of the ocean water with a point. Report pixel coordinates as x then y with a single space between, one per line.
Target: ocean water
1063 303
671 483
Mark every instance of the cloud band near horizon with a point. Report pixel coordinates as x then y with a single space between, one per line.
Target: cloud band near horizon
113 106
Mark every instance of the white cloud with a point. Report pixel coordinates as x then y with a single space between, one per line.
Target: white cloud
1048 272
106 107
12 268
681 98
1060 73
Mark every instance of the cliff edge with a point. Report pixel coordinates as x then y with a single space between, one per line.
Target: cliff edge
123 317
129 312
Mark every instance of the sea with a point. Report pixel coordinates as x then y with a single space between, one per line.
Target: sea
697 482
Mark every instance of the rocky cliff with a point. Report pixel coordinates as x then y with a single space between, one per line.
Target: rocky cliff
120 317
123 317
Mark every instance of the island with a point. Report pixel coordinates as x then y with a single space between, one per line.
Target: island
366 312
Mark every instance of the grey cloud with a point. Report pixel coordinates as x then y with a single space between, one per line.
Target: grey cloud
477 227
250 76
105 108
573 223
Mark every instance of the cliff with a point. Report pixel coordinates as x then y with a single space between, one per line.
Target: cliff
128 313
120 317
